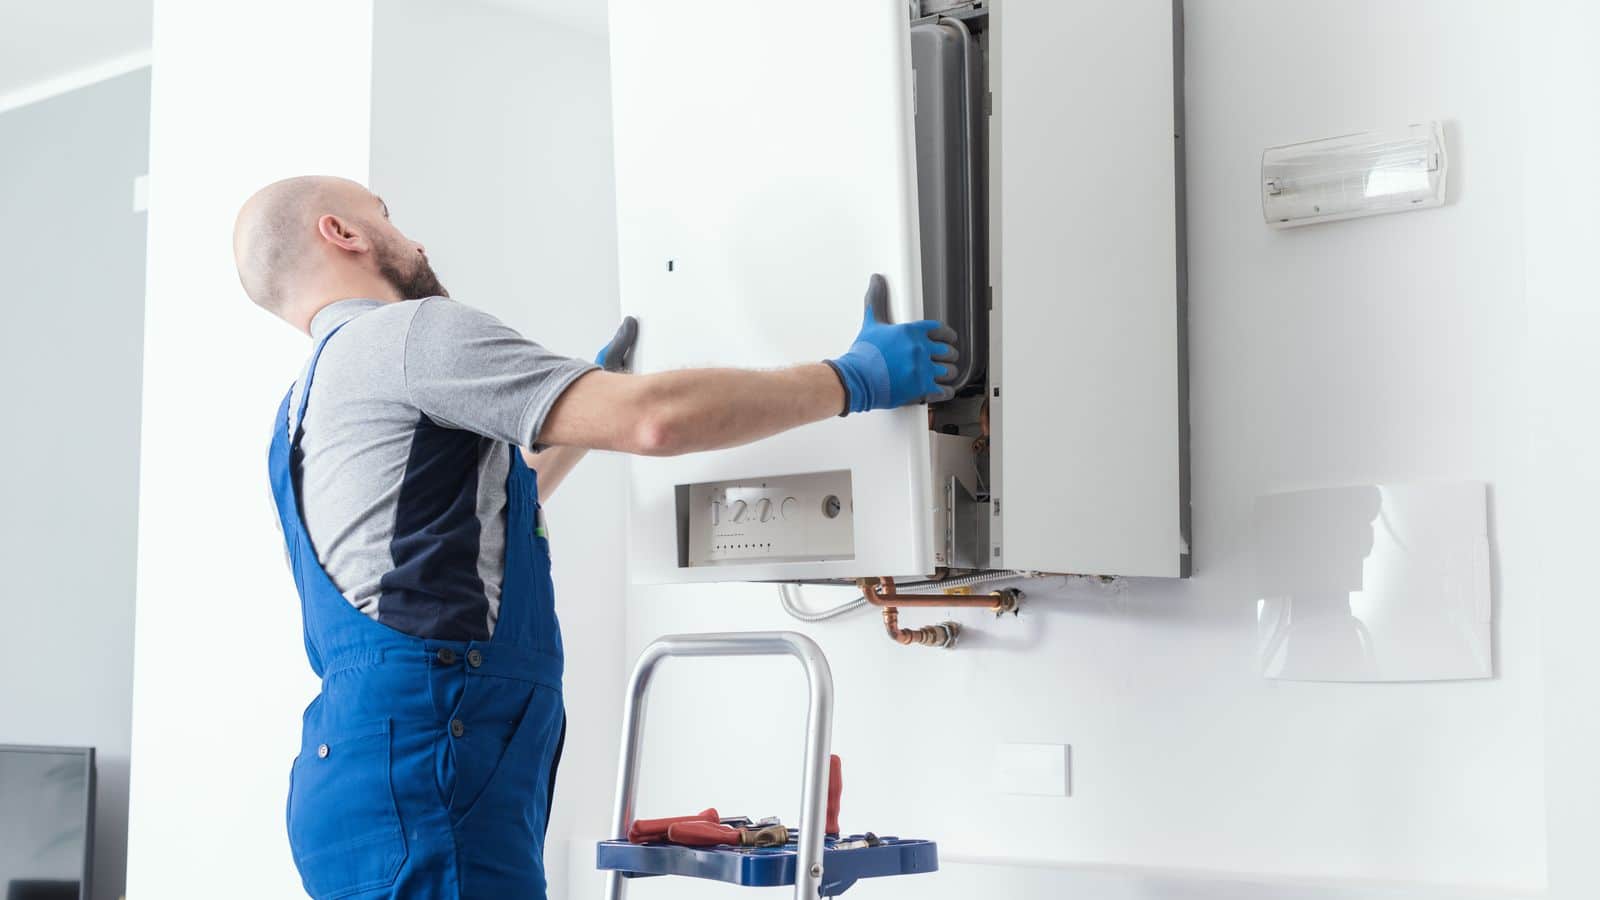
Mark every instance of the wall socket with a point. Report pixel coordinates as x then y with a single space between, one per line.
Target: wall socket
1039 770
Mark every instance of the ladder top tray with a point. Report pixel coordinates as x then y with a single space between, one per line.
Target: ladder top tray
770 867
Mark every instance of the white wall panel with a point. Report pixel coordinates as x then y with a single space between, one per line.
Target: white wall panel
1087 320
534 157
242 94
768 159
65 165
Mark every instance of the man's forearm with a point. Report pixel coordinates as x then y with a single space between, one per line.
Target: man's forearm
707 409
683 411
668 413
553 464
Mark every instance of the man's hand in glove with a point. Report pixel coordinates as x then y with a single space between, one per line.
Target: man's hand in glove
893 365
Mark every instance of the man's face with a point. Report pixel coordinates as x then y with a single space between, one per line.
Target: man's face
403 262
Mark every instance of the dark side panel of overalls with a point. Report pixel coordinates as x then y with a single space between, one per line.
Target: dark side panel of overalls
425 766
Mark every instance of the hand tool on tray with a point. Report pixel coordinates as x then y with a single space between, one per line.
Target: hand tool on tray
835 790
712 834
644 830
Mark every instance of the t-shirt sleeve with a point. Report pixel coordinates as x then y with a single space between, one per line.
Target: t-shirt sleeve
466 369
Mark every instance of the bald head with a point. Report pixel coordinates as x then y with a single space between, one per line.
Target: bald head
275 237
302 243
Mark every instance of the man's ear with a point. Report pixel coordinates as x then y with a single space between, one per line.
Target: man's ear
342 234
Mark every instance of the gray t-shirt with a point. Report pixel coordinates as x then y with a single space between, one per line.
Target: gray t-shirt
414 414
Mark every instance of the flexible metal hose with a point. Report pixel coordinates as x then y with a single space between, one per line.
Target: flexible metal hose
788 598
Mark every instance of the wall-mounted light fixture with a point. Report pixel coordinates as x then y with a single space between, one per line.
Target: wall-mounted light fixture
1365 174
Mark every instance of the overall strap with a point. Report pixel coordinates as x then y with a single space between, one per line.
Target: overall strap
305 386
280 466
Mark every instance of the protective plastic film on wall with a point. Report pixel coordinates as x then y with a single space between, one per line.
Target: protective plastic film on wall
1366 174
1374 583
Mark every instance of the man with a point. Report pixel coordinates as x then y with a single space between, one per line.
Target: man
407 465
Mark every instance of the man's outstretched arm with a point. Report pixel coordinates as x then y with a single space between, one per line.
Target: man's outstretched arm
669 413
665 415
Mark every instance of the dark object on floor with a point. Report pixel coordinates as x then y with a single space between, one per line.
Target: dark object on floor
42 890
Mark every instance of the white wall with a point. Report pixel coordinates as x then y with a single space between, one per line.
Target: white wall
70 356
1384 350
1563 319
510 189
243 94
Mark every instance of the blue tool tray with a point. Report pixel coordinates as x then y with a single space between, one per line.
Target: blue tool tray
772 866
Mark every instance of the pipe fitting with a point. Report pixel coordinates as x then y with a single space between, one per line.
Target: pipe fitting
944 634
1007 601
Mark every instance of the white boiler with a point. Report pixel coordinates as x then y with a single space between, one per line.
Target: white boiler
1013 167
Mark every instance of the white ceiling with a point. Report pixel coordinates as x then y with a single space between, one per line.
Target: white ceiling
41 42
584 15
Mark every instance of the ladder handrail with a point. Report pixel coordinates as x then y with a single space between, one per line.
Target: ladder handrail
819 738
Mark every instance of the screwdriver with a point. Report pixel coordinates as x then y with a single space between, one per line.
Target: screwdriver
708 829
643 830
696 833
712 834
835 789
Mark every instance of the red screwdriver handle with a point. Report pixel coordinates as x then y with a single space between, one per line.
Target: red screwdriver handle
702 834
835 788
643 830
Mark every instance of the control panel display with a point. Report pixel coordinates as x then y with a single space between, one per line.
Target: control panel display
783 518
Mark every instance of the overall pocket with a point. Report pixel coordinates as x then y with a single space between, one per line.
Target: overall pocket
344 828
517 790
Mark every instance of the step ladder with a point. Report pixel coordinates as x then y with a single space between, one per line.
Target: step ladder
807 862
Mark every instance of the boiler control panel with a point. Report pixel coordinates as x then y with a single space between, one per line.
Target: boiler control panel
781 518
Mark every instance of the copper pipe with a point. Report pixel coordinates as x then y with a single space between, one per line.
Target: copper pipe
881 592
917 601
942 635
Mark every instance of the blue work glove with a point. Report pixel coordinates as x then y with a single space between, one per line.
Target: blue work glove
616 355
892 365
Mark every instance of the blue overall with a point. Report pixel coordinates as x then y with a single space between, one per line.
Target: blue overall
426 767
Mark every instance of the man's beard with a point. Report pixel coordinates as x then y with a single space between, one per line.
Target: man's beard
413 283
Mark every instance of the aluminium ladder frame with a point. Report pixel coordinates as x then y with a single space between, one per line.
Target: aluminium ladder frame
818 740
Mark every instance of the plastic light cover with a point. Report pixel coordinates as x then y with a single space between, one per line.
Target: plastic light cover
1364 174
